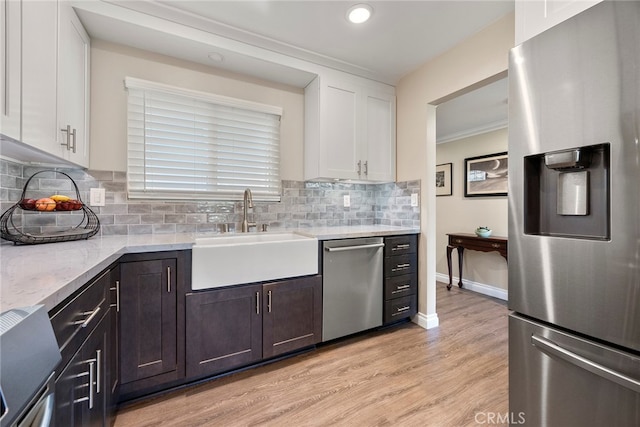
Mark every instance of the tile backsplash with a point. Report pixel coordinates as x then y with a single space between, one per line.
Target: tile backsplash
303 204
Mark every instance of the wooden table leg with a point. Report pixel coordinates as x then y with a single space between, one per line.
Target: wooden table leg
449 250
460 255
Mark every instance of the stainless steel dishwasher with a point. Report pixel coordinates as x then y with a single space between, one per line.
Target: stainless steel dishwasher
351 286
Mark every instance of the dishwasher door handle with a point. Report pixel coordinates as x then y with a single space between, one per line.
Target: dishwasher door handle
356 247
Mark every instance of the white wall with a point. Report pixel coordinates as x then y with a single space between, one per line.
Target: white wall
111 63
459 214
482 56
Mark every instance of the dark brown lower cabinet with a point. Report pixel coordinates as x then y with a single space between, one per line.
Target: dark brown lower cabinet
81 388
232 327
224 329
400 277
292 316
151 321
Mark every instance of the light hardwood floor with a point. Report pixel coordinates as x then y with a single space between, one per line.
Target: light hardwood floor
453 375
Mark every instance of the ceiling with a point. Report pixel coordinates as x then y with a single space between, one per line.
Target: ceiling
277 40
479 111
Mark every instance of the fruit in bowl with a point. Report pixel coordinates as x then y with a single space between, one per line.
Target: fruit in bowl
45 204
483 231
28 204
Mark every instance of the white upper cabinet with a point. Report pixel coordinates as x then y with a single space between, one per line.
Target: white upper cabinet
46 79
10 17
536 16
39 50
73 86
349 130
380 136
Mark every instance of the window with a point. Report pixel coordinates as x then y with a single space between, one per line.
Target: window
184 144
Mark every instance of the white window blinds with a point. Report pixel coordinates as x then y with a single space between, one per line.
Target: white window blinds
185 144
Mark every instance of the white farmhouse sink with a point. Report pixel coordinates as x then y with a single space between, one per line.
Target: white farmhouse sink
252 257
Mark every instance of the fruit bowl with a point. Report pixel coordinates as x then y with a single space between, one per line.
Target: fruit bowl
50 204
483 231
88 224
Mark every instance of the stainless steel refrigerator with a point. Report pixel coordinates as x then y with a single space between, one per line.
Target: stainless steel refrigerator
574 222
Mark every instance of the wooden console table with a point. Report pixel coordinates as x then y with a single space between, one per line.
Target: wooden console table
462 241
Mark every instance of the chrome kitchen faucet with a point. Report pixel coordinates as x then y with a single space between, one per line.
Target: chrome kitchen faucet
248 203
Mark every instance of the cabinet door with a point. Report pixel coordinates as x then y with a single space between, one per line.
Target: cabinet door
224 329
534 17
94 356
73 86
39 79
380 137
292 315
10 69
148 319
81 389
339 130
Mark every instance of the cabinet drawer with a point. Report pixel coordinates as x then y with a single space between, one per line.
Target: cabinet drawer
75 320
485 244
400 245
401 264
400 308
400 286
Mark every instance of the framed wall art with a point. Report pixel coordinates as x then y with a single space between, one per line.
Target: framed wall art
486 176
443 179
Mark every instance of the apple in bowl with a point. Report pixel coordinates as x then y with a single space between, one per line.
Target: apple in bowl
28 204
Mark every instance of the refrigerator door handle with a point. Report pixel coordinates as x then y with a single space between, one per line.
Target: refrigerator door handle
553 349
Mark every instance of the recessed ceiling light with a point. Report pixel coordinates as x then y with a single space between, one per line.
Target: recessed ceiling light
359 13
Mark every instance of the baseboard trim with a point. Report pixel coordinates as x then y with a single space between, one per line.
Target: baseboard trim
426 321
480 288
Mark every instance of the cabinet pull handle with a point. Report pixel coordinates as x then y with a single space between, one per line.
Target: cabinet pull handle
400 247
405 308
359 167
73 135
98 359
68 132
401 267
84 323
257 302
269 301
168 279
366 168
91 380
495 245
400 289
117 289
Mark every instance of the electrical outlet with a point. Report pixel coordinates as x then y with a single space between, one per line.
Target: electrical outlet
347 201
97 197
414 200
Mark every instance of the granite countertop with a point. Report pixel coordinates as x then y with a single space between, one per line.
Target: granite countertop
49 273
